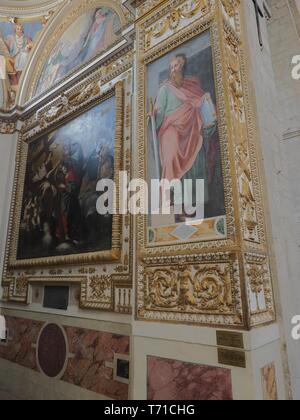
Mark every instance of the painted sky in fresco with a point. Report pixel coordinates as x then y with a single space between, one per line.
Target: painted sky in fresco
90 34
31 29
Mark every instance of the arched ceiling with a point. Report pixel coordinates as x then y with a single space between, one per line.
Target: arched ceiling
27 7
39 19
23 11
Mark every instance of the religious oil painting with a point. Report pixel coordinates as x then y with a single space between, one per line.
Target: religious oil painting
90 34
59 215
184 143
17 39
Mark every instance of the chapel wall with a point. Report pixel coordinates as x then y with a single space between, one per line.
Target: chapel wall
183 342
284 36
93 341
276 112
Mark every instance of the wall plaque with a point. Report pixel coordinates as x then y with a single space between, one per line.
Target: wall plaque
232 358
230 339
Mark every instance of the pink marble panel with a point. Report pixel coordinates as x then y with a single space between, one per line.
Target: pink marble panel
174 380
91 366
23 334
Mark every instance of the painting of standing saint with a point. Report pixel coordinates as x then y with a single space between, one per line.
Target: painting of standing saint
90 34
184 143
16 42
59 215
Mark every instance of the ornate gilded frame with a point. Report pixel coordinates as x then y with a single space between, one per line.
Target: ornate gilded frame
211 283
105 281
114 253
105 284
151 55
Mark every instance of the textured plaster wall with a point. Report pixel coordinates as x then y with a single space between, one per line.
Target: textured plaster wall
276 99
284 36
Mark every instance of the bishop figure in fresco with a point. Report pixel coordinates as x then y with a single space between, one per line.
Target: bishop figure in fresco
19 46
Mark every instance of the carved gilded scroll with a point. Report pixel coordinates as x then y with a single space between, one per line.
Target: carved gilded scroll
193 273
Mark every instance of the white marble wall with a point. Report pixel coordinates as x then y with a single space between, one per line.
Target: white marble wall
284 45
278 109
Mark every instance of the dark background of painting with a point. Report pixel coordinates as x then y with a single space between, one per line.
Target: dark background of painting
203 73
88 231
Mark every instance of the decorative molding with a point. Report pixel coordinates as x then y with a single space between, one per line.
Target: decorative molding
179 16
259 287
28 8
7 127
97 293
60 24
207 293
202 282
105 292
54 117
81 96
18 289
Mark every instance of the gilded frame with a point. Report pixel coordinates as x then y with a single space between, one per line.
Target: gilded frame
240 261
89 258
146 57
105 283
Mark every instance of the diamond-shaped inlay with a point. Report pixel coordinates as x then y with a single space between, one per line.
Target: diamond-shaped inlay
184 232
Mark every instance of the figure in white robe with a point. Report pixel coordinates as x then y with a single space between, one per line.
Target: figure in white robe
19 46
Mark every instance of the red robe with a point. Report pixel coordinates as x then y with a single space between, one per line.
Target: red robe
180 134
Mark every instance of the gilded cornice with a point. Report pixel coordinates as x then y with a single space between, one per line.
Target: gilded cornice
56 27
28 8
125 43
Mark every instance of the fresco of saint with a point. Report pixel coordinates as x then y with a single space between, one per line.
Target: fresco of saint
16 43
178 121
183 137
19 46
90 34
101 34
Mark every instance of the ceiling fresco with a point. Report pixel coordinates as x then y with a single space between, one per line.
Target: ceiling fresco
21 24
